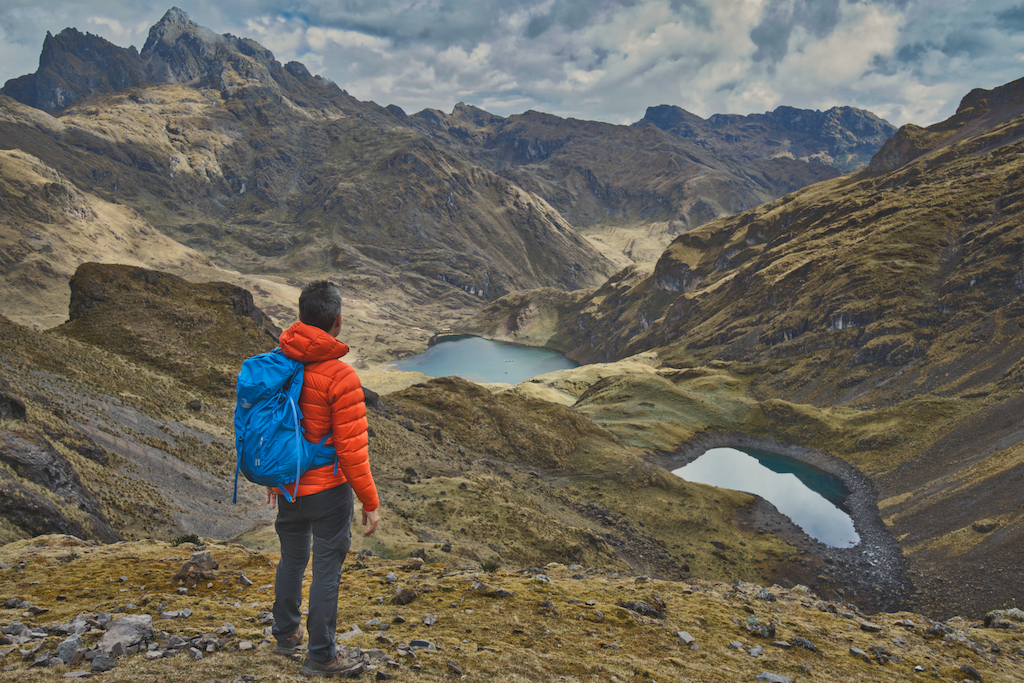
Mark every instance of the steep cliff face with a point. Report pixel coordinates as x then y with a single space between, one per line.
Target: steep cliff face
74 66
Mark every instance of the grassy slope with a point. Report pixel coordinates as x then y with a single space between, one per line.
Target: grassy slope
571 629
873 317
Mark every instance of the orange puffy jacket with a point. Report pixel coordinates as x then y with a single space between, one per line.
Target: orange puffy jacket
331 400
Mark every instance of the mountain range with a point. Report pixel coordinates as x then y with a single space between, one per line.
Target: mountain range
266 168
811 282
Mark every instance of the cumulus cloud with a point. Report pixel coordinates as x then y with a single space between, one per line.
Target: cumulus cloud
906 60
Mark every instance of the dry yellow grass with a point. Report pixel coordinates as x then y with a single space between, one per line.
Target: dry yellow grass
569 629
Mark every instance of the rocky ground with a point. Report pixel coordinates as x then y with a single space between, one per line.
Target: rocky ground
132 611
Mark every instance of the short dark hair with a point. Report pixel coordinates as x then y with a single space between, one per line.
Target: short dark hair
320 304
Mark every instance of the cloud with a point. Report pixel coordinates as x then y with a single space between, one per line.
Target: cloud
907 60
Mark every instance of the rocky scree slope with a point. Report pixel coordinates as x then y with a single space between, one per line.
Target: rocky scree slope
875 317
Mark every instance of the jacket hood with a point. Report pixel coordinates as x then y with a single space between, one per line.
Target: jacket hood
308 344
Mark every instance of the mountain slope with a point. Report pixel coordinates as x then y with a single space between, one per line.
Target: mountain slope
268 169
49 227
885 308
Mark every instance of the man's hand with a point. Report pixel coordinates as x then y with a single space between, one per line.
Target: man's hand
372 517
271 498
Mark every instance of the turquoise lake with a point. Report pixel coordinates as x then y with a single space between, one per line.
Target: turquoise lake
808 496
483 360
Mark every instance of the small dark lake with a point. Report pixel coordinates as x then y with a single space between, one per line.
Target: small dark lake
483 360
805 494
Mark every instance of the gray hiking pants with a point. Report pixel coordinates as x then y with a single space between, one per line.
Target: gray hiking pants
326 515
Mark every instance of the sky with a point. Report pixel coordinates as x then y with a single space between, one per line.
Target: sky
908 61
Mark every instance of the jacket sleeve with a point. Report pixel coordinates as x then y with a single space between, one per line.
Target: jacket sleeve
350 429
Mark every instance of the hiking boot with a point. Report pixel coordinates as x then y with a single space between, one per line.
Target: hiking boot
286 646
339 667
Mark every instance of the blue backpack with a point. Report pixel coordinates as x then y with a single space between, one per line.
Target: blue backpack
268 434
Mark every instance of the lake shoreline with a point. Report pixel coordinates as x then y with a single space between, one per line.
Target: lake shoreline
871 574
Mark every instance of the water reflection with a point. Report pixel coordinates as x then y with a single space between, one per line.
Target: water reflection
804 494
483 360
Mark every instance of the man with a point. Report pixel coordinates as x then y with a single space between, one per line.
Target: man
331 401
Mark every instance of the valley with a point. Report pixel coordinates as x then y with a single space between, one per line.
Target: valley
813 284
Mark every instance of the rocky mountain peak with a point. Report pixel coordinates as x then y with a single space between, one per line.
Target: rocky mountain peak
177 41
75 65
979 110
673 119
841 137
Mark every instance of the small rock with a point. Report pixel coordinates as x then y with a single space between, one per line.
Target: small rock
782 644
430 619
226 629
454 668
413 564
66 650
195 653
404 596
735 645
769 677
969 670
42 659
685 637
420 644
128 630
766 595
103 663
246 645
857 652
870 627
200 567
542 578
804 643
755 651
390 577
244 580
